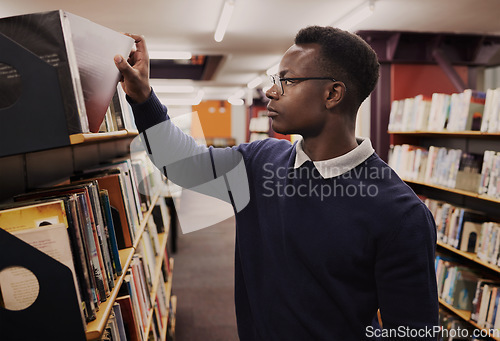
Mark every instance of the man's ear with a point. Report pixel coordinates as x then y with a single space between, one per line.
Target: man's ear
336 93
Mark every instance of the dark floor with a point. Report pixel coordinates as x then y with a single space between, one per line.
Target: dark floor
203 281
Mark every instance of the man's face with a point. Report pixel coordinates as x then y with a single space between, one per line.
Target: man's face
301 108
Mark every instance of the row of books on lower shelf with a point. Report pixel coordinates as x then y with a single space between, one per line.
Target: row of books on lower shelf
85 223
144 312
466 230
118 329
467 290
450 168
454 328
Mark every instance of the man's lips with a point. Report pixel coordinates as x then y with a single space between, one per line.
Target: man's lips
271 112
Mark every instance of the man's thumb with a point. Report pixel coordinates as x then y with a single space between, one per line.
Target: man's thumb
122 65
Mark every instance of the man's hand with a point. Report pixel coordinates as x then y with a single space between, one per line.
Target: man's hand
135 71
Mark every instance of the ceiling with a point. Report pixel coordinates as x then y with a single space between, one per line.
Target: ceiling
260 31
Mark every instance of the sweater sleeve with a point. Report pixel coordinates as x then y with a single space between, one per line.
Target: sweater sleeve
406 279
216 172
148 113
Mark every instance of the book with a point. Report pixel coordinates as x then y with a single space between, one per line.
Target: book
494 112
22 216
480 298
108 215
82 53
488 160
119 321
122 222
487 110
463 289
129 318
94 231
472 115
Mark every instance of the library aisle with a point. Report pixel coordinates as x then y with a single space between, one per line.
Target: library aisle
204 284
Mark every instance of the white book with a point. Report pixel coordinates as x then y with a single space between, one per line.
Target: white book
483 309
408 114
487 110
82 53
493 123
494 175
485 171
423 111
456 108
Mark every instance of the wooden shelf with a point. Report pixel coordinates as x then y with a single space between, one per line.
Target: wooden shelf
144 222
156 281
470 256
174 310
96 327
456 191
168 291
465 315
468 133
98 137
170 298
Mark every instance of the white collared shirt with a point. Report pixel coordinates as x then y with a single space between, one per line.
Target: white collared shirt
337 165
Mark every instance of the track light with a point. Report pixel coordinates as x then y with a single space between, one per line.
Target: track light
169 55
255 82
177 89
184 101
224 19
357 15
273 69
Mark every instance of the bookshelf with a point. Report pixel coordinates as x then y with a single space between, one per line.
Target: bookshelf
89 150
414 67
49 138
467 142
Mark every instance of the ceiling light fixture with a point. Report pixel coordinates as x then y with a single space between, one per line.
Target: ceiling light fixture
176 89
255 82
184 101
355 16
224 19
273 69
236 98
235 101
170 55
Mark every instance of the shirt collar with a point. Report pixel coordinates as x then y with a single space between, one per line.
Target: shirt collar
337 165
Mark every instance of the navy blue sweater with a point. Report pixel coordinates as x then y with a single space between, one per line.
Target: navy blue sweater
315 257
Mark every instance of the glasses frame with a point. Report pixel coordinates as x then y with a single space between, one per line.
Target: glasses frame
280 84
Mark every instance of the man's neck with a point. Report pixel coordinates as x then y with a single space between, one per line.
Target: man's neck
328 147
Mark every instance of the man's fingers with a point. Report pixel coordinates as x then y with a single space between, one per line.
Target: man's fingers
136 37
122 65
140 42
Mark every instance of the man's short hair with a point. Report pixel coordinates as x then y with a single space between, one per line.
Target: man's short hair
344 56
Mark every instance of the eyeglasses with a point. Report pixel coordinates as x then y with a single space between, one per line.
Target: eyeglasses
276 79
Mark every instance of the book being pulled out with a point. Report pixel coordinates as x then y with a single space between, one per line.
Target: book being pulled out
76 51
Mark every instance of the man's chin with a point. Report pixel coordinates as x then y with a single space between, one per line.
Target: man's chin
277 128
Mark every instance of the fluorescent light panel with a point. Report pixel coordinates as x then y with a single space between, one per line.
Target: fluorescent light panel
185 101
255 82
356 16
235 101
273 69
170 55
224 19
175 89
